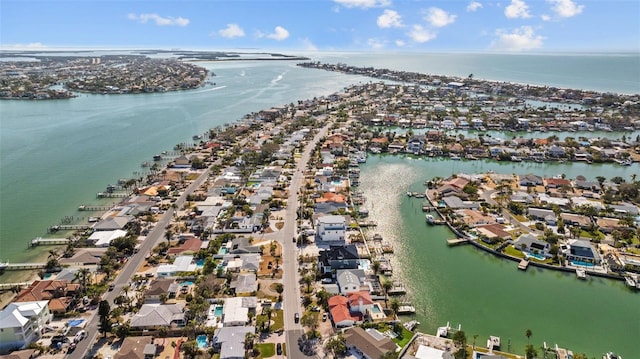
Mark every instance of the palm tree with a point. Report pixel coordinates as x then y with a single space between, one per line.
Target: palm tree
386 285
395 306
375 266
528 333
307 280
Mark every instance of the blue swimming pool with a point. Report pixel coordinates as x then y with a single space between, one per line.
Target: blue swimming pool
218 311
202 341
223 250
580 263
200 263
376 309
186 283
534 255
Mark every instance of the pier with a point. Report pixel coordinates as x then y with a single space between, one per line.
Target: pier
93 208
524 264
68 227
111 195
457 241
22 266
365 224
49 241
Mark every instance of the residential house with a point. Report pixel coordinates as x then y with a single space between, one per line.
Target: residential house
474 218
22 323
572 219
338 257
330 228
242 245
491 233
454 202
607 225
230 341
156 315
104 238
360 302
340 314
181 264
530 244
521 197
579 251
137 348
368 344
235 311
244 283
557 183
159 288
59 293
113 223
542 214
350 280
530 180
190 246
84 257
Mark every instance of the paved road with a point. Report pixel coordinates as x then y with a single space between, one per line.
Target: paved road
129 269
487 196
291 299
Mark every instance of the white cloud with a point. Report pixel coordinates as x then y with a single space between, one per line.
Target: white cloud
522 38
159 20
565 8
279 34
29 46
420 34
545 17
517 9
390 18
308 45
376 44
439 18
473 6
363 4
231 31
400 43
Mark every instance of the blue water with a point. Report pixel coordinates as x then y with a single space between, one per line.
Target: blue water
580 263
200 263
218 311
376 309
223 250
202 341
186 283
534 255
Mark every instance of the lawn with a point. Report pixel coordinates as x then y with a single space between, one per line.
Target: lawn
404 339
278 320
509 250
267 350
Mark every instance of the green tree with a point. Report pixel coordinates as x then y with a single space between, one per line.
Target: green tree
460 341
336 345
310 320
190 349
104 310
531 352
528 333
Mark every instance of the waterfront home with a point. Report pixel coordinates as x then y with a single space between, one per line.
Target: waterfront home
104 238
557 183
113 223
368 344
235 311
23 323
454 202
530 244
542 214
340 314
350 280
84 257
58 293
159 288
360 302
580 251
491 233
338 257
230 341
155 316
474 218
530 180
330 228
137 348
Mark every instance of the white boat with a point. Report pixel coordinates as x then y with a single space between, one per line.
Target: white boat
611 355
581 274
429 218
442 332
493 343
455 157
410 325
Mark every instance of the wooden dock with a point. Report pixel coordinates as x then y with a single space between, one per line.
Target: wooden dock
367 224
524 264
23 266
85 207
49 241
456 241
68 227
111 195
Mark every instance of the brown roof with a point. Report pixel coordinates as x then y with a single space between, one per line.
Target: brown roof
190 245
159 286
367 344
133 348
45 290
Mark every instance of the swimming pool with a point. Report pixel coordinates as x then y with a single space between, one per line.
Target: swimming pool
200 263
376 309
223 250
534 255
202 341
580 263
186 283
218 311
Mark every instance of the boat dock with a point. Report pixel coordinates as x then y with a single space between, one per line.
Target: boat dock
411 325
85 207
111 195
397 289
365 224
524 264
49 241
22 266
432 221
68 227
456 241
406 309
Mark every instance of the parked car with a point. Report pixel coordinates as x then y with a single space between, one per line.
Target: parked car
324 317
296 317
279 348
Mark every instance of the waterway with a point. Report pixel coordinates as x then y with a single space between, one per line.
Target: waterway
485 294
55 156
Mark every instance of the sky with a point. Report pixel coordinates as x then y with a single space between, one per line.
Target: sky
324 25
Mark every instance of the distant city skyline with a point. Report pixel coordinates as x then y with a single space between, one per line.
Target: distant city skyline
324 25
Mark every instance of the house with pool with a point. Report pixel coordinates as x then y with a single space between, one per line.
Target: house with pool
581 253
531 246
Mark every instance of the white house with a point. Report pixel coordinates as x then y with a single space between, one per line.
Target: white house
330 228
21 323
104 238
180 265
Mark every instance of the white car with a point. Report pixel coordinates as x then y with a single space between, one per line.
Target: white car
79 336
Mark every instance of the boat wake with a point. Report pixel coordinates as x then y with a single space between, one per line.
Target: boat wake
209 90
